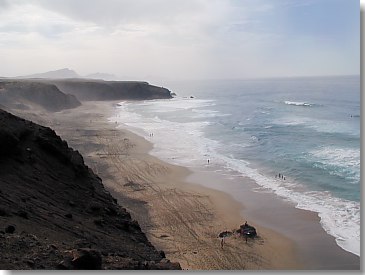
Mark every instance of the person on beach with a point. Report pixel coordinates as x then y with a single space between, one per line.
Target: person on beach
245 233
208 161
222 236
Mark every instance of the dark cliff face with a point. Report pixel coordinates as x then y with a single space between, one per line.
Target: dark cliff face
85 89
22 94
56 95
55 212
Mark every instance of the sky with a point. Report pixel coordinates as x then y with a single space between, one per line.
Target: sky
181 39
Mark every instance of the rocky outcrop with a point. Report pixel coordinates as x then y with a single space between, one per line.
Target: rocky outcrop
18 94
55 212
87 89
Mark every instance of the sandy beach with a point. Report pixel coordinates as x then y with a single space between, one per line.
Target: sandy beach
181 215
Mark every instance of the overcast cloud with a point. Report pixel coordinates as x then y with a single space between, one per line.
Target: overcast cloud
174 39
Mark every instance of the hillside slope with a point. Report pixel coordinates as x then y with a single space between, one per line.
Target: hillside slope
55 212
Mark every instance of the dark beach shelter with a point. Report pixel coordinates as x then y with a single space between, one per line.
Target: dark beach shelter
224 234
248 230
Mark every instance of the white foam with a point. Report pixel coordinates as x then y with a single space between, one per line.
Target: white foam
347 157
339 160
319 125
180 143
293 120
295 103
327 126
175 104
340 218
254 139
203 113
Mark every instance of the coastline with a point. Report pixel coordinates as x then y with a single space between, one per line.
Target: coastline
183 216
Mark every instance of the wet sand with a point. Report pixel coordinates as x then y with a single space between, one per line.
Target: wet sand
182 216
316 250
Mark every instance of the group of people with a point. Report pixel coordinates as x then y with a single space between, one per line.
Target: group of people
281 176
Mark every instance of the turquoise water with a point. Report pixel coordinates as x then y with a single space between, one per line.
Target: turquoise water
307 129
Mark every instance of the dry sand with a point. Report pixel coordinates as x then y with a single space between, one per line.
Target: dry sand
179 217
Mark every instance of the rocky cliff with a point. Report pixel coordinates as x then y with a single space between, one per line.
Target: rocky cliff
59 94
18 94
88 89
55 212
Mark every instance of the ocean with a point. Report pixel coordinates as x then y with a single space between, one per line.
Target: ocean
307 129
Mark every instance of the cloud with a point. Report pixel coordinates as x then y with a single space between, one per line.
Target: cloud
25 19
4 4
190 38
116 12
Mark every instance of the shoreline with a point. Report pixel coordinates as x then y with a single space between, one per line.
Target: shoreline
319 249
316 249
188 132
161 195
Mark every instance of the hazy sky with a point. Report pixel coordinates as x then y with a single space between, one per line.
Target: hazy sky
174 39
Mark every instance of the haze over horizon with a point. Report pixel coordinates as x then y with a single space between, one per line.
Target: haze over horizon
171 39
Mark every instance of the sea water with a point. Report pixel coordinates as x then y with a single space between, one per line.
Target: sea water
306 129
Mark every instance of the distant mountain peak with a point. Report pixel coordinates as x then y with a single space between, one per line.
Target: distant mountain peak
68 73
61 73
